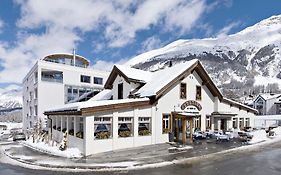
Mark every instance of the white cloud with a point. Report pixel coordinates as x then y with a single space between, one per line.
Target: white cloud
225 30
118 19
151 43
107 65
185 15
63 24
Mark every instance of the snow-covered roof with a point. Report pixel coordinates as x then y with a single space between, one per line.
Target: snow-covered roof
103 95
239 104
93 103
269 96
135 74
161 78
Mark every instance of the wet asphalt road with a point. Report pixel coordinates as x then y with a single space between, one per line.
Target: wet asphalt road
266 161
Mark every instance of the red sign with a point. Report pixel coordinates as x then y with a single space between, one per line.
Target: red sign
191 103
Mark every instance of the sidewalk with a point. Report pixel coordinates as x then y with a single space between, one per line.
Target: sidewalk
134 158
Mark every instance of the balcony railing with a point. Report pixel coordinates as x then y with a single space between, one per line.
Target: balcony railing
52 80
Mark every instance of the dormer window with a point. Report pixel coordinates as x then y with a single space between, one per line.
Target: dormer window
183 91
120 91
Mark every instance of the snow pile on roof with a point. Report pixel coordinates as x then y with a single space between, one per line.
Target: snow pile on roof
103 95
258 136
53 150
162 77
269 96
135 74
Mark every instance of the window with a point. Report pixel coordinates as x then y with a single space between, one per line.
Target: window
120 91
235 123
198 93
52 76
35 93
183 91
144 128
72 93
80 133
197 122
85 79
71 129
35 110
98 80
241 123
125 126
103 127
208 122
247 122
259 106
166 123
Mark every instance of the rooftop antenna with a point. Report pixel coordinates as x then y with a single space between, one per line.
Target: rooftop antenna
74 57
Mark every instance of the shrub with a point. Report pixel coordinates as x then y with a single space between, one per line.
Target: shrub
102 135
124 133
144 132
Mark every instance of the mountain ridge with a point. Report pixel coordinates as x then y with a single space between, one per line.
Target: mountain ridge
246 62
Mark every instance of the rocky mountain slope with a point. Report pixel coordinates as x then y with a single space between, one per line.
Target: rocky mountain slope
246 62
11 99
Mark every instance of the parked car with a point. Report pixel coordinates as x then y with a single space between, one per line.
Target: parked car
19 136
222 137
199 135
209 133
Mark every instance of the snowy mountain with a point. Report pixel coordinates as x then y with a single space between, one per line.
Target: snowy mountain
11 99
244 61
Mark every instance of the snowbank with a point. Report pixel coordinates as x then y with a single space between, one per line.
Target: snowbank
277 131
258 136
53 150
11 125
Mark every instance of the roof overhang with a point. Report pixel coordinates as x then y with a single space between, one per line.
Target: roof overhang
86 111
223 114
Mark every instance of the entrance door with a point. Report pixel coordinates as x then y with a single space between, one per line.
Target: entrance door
223 124
177 129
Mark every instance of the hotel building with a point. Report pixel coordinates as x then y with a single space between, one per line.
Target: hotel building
140 108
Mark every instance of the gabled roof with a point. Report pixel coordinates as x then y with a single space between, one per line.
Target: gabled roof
129 74
163 80
267 96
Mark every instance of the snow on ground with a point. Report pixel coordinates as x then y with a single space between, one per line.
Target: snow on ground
53 150
11 125
258 136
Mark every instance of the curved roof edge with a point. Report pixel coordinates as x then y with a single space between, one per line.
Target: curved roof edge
66 54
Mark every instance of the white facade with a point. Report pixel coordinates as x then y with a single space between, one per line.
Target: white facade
48 84
160 112
268 104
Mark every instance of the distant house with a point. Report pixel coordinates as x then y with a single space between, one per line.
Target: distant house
268 104
140 108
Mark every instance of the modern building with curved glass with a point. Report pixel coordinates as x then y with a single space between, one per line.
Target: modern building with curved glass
55 80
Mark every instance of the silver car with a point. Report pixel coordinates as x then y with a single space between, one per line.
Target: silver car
19 136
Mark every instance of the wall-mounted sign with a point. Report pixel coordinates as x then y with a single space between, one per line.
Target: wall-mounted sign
191 103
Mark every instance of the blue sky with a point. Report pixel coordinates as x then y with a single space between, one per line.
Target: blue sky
108 32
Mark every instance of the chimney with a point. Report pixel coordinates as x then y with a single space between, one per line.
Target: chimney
74 57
